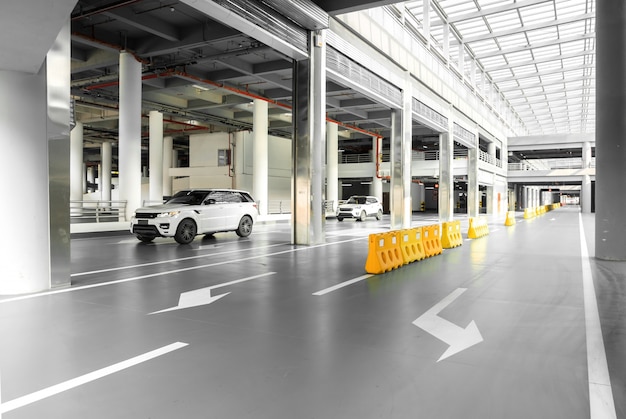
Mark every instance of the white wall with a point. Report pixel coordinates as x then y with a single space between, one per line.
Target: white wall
279 182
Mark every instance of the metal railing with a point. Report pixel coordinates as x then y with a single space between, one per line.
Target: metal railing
415 156
278 207
97 211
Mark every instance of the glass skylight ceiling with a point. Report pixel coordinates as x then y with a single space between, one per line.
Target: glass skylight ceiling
539 54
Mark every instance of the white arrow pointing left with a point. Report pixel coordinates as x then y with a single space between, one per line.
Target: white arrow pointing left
458 338
203 296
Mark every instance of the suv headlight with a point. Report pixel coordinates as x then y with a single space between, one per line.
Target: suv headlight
168 214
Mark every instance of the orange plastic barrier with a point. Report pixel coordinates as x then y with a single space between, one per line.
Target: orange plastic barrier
477 227
412 245
451 234
384 253
432 240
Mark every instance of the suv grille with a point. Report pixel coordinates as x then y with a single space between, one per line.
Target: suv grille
145 215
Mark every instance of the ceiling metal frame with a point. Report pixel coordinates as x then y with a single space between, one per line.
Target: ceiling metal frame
509 41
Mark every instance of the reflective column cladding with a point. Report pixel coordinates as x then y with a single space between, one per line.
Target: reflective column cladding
610 130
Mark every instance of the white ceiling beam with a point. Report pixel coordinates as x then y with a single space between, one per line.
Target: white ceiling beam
514 50
529 28
544 84
543 73
494 10
541 60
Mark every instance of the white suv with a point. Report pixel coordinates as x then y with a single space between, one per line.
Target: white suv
196 211
360 207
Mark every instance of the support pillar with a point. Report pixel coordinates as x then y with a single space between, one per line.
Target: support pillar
106 154
332 164
377 182
309 119
76 163
130 133
168 147
401 142
585 190
473 193
35 124
156 156
260 150
446 177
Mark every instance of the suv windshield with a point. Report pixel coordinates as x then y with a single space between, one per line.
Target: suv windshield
356 200
188 197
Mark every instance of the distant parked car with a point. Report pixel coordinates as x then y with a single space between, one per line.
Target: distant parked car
360 207
196 211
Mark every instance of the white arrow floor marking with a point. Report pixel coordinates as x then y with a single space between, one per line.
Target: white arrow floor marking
203 296
458 338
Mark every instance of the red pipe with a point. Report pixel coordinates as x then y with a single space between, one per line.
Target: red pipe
235 90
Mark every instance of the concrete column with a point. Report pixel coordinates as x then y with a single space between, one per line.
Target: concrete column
260 150
106 153
377 182
462 59
156 156
401 141
309 119
332 164
130 133
76 163
34 125
426 21
585 190
446 42
91 175
473 193
446 177
168 144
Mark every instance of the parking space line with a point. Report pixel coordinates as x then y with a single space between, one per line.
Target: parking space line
136 278
84 379
342 284
601 403
120 268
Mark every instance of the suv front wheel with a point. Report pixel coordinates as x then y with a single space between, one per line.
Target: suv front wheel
186 231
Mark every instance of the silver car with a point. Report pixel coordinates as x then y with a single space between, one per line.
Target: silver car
196 211
360 207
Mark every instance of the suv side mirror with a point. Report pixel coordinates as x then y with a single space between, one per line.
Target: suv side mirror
209 201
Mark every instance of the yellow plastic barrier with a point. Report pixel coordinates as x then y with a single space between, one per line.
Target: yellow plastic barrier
510 218
451 234
412 245
432 240
477 227
384 253
528 213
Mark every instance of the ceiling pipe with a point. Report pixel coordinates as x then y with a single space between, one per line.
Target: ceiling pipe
235 90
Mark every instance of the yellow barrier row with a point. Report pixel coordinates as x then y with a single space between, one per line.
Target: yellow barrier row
392 249
542 209
451 234
477 227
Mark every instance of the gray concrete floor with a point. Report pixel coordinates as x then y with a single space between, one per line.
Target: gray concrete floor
270 349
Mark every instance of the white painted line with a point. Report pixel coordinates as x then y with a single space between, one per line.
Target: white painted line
136 278
343 284
120 268
601 403
84 379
